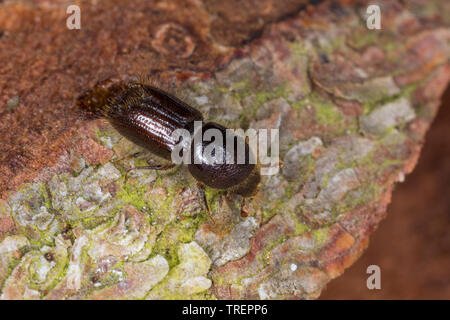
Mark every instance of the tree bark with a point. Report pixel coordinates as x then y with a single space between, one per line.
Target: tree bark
352 106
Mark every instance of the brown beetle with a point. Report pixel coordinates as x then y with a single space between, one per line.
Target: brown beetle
148 116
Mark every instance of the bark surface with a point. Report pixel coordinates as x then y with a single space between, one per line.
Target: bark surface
352 106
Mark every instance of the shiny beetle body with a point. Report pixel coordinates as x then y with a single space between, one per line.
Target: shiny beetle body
148 116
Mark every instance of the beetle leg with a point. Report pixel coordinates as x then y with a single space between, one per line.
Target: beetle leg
201 189
134 155
151 167
243 212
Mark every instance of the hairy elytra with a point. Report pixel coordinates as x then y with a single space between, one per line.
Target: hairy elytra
148 116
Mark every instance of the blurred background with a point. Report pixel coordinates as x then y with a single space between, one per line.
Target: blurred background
412 245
